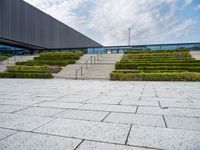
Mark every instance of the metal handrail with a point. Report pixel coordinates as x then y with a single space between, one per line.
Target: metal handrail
86 63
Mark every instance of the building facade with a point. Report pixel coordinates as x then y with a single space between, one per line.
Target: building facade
24 26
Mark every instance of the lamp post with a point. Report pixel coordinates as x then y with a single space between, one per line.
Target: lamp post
129 35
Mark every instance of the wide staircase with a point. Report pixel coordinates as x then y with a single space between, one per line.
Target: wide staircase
90 66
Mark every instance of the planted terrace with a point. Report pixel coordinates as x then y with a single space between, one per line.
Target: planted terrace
42 66
167 65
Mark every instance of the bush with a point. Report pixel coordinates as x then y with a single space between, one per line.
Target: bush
155 51
191 69
4 56
46 62
34 69
146 65
192 76
61 54
148 71
25 75
57 58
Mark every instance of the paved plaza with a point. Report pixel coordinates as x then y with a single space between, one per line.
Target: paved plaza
63 114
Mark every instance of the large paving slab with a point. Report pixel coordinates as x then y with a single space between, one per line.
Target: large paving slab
99 131
183 123
11 108
41 111
137 119
59 105
33 141
111 108
22 122
93 114
5 133
89 145
83 115
163 138
169 111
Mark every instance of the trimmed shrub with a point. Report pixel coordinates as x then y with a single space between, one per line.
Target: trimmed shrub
46 62
146 65
34 69
25 75
192 76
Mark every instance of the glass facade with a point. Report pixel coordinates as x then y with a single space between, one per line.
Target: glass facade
6 49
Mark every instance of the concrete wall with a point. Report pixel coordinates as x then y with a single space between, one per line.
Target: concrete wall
21 23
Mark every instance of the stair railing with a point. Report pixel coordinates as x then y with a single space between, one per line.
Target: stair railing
92 59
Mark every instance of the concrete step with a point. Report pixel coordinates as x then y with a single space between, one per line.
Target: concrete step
101 69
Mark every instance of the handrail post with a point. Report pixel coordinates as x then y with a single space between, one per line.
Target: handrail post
98 56
91 59
81 70
86 64
76 74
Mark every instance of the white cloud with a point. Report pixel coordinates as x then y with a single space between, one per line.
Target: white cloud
188 2
108 21
198 7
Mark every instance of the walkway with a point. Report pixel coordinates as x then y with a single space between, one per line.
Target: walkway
11 61
195 54
99 115
101 69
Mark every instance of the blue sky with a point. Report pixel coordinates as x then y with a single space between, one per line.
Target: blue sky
107 21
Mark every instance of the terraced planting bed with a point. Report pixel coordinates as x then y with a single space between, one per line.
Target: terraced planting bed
167 65
4 56
42 66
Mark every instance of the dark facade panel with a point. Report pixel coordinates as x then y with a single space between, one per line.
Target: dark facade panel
22 23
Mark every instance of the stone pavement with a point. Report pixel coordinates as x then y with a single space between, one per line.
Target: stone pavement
99 115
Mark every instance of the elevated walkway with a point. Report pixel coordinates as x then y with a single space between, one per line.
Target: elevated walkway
90 66
195 54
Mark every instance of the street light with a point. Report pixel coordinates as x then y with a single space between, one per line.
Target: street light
129 33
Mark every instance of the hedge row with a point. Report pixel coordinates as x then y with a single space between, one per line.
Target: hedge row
154 51
61 54
156 76
34 69
46 62
57 58
175 54
156 65
4 56
160 61
25 75
148 71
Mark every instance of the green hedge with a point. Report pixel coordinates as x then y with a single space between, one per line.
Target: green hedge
4 56
57 58
34 69
172 65
148 71
60 54
25 75
46 62
156 76
191 69
155 51
160 61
